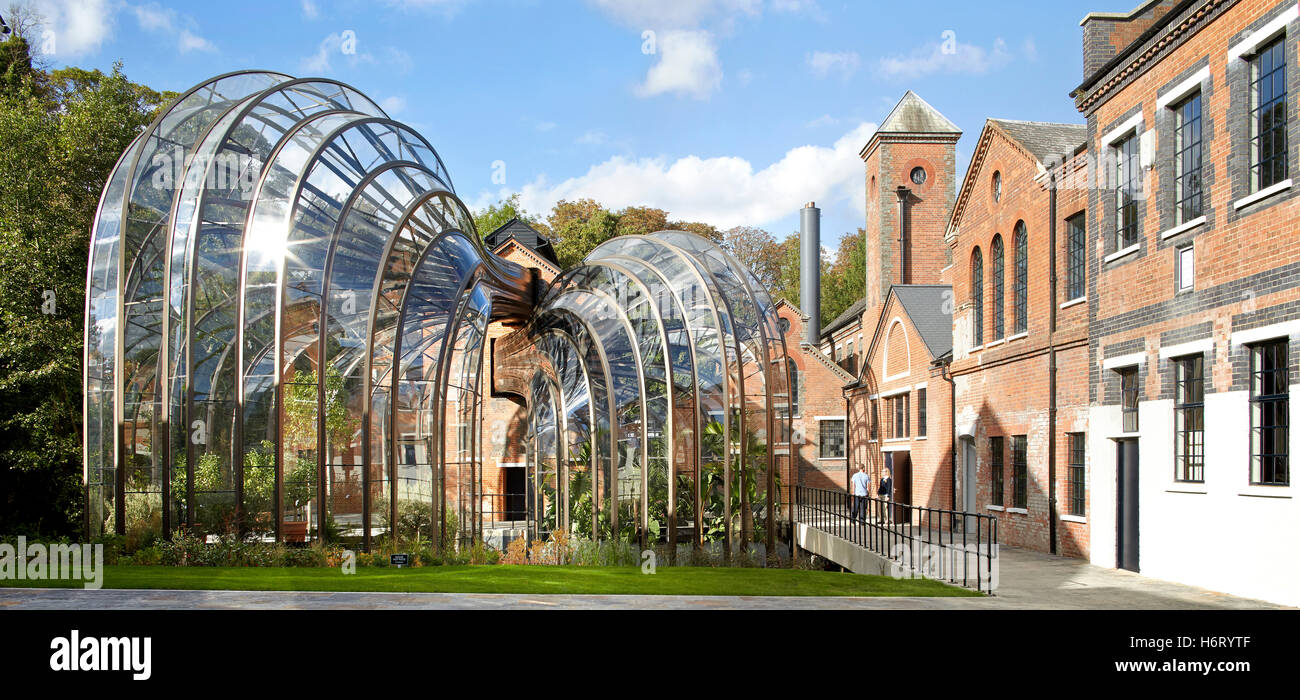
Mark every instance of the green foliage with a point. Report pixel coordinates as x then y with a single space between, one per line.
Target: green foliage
497 215
60 135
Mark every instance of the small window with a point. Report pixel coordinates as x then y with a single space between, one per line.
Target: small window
784 323
1128 390
1077 502
995 468
1268 144
1269 414
1189 419
997 186
920 413
1019 471
918 176
901 423
1186 268
832 438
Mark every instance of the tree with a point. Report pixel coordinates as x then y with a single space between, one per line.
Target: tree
57 148
641 220
757 250
497 215
844 281
706 230
578 227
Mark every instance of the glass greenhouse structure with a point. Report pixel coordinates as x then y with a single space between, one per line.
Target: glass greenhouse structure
287 316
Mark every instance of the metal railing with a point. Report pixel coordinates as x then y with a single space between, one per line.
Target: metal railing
948 545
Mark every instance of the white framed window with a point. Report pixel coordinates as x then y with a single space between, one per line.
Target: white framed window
1186 266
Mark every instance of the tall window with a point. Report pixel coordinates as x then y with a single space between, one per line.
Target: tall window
1128 393
1019 472
1189 419
1076 270
1075 475
832 438
995 468
1187 160
850 360
1020 288
1126 191
901 421
875 420
998 298
794 387
1268 116
977 296
920 413
1269 425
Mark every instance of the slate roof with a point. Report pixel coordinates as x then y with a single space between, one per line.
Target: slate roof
913 115
525 235
930 308
1048 141
846 317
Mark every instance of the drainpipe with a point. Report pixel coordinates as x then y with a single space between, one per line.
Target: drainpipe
904 240
1051 365
946 368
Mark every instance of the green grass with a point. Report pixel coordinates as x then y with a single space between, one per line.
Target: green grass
515 579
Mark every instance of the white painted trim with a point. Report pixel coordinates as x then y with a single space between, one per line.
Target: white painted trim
1021 511
1183 89
1266 492
1122 130
994 343
512 464
922 385
1074 519
997 508
843 418
1268 31
1074 302
921 437
1190 489
1129 360
896 448
976 348
1124 436
1121 253
907 344
873 397
895 392
1018 336
902 439
1186 226
1204 345
1287 329
1262 194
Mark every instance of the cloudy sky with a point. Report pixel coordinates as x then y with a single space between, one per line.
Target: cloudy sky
725 111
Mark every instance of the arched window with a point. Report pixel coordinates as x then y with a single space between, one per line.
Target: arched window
1020 290
794 387
977 296
999 263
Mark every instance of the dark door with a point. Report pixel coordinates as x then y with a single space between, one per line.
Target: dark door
902 463
1126 536
516 492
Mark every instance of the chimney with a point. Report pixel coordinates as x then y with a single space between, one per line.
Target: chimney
810 270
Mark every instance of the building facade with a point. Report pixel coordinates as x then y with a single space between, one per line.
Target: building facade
1194 292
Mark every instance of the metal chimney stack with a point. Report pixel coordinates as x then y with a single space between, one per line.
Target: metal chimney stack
810 270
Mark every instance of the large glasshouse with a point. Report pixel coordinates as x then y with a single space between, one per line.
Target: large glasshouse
287 319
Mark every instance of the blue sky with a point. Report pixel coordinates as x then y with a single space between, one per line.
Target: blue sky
730 112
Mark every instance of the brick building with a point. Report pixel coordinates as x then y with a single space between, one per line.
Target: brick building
1020 330
1193 292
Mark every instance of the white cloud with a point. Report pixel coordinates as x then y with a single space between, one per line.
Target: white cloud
162 20
544 126
345 44
724 191
931 58
309 9
79 26
688 65
823 63
823 120
393 105
592 138
674 14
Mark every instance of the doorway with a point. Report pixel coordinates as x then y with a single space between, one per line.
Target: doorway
516 493
1126 500
901 465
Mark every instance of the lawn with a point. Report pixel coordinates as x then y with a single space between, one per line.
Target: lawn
515 579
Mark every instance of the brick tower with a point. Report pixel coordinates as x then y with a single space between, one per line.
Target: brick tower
910 170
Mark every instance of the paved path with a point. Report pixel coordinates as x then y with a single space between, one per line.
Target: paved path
1029 580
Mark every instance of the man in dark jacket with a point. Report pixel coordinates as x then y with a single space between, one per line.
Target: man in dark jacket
885 492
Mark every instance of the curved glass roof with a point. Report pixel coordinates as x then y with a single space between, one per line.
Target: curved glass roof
287 337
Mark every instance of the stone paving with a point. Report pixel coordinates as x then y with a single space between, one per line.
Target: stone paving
1029 580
